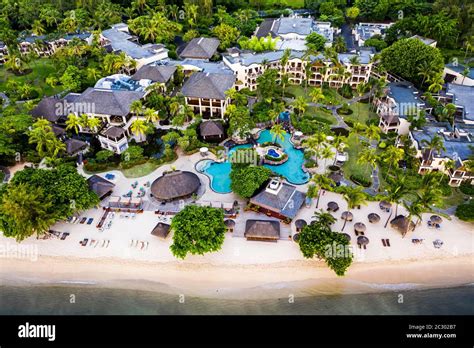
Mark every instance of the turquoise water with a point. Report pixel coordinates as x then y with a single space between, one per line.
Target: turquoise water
54 300
291 169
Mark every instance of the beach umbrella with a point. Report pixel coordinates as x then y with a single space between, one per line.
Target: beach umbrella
300 223
385 205
402 224
229 223
359 227
436 219
296 237
347 215
348 237
373 218
362 240
333 206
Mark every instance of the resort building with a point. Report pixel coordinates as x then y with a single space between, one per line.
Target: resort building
292 31
351 69
463 98
45 46
118 39
205 93
262 230
100 186
151 74
400 100
279 199
458 74
425 40
114 138
212 131
123 82
190 66
200 48
458 145
364 31
3 52
75 147
175 185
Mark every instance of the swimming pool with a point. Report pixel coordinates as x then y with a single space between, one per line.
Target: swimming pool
218 173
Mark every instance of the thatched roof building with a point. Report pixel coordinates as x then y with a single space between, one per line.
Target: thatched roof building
359 227
333 206
175 185
347 215
161 230
100 186
402 224
211 130
262 230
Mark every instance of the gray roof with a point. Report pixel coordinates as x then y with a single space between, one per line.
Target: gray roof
114 132
298 25
155 73
120 41
73 146
405 96
49 109
262 229
455 147
58 131
287 202
204 66
206 85
100 186
161 230
265 28
200 48
464 97
211 128
109 102
460 69
425 40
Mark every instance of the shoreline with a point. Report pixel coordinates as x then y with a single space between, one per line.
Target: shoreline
224 281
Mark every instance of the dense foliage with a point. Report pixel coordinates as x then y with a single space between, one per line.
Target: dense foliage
37 198
247 180
197 230
465 211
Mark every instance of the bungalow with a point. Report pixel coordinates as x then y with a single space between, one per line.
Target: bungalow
400 100
46 45
279 199
356 68
75 147
262 230
458 74
102 187
118 39
200 48
3 52
462 97
159 74
212 130
190 66
205 93
457 145
425 40
364 31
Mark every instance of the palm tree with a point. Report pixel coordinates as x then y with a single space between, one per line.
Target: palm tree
436 143
326 153
314 142
324 218
358 129
360 90
339 44
447 113
42 135
284 81
392 156
74 122
38 28
425 69
395 192
317 95
354 196
93 123
322 182
464 74
300 105
372 132
436 83
139 129
284 59
278 132
429 197
368 156
151 115
414 209
136 107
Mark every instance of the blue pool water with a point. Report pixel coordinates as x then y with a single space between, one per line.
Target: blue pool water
291 169
273 153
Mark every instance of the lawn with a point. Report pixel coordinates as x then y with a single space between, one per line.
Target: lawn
330 94
41 69
321 115
288 3
361 113
140 170
351 167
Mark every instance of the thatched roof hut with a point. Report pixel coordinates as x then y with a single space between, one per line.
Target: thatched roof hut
403 224
175 185
333 206
385 205
362 240
229 223
296 237
373 218
300 223
436 219
262 230
347 215
359 227
100 186
161 230
211 129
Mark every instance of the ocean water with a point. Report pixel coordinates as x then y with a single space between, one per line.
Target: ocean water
55 300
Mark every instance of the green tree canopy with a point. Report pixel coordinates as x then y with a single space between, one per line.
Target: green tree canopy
245 181
197 230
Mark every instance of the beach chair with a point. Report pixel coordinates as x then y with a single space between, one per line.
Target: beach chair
64 236
89 222
383 242
387 241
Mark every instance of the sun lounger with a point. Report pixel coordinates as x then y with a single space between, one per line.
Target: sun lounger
64 236
146 245
83 220
387 241
108 242
383 242
85 241
89 222
142 245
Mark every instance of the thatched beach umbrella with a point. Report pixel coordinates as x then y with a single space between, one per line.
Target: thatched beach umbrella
362 240
161 230
384 205
346 216
348 237
300 223
436 219
333 206
230 224
403 224
296 237
373 218
359 227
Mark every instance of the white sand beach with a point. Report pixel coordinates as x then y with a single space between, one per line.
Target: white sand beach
242 267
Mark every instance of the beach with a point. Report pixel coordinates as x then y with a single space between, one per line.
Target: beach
242 268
